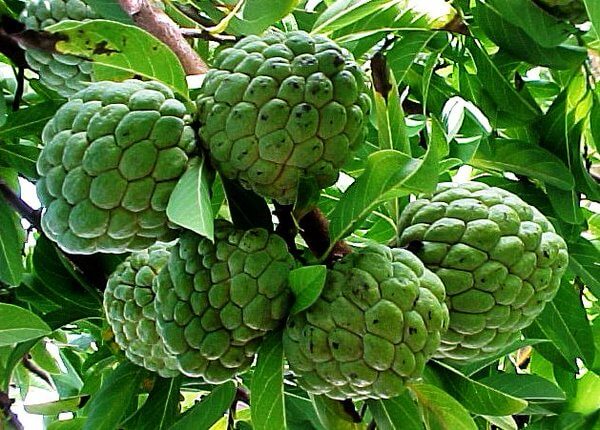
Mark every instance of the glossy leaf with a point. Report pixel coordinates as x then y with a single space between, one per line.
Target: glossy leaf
209 410
121 51
189 205
20 325
108 407
11 244
306 283
266 388
441 410
398 413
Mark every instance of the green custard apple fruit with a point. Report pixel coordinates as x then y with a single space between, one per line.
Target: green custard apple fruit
129 308
111 159
498 257
379 318
63 73
216 301
282 107
569 10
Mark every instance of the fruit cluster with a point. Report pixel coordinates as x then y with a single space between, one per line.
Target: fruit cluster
473 264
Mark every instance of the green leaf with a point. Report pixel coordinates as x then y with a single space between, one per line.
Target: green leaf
120 51
584 261
510 103
19 325
333 415
110 9
300 414
161 408
522 158
208 411
306 283
108 406
57 283
399 413
189 205
11 244
391 125
476 396
29 121
386 176
22 158
542 27
593 10
66 404
72 424
257 15
564 322
528 387
441 410
587 397
519 43
405 51
266 387
345 12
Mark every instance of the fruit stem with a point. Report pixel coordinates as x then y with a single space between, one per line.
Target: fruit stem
314 229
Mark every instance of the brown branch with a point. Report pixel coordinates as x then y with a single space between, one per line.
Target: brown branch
158 23
5 404
192 13
314 229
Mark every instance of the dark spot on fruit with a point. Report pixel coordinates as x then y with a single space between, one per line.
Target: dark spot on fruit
306 107
353 375
335 345
264 117
429 315
375 321
415 246
412 330
338 61
546 254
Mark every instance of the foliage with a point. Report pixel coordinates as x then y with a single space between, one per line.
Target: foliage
499 91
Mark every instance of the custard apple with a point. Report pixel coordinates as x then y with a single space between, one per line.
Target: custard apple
569 10
129 308
216 301
65 74
111 159
379 318
280 107
498 257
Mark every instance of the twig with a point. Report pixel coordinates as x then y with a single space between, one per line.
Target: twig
314 228
200 33
20 88
22 208
31 366
5 404
158 23
241 395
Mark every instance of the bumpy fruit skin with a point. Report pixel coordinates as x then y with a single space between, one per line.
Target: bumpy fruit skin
65 74
280 107
379 318
216 301
570 10
129 308
111 159
499 258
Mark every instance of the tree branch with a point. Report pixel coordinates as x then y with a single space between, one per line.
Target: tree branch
158 23
33 368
